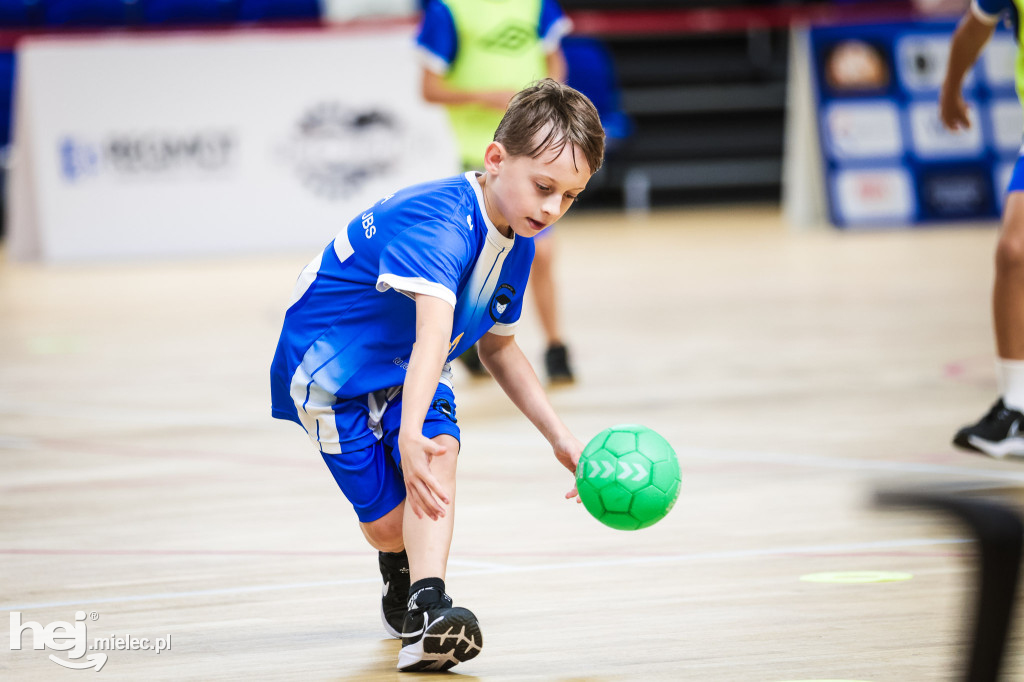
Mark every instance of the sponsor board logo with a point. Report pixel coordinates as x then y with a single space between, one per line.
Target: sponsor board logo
1007 122
152 155
864 130
336 150
956 194
932 140
998 61
874 196
922 62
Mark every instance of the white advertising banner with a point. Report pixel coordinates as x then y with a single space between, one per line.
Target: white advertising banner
201 144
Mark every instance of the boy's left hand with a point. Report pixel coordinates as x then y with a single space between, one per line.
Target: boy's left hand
567 451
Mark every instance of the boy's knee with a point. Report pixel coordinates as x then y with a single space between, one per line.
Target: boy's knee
450 443
385 534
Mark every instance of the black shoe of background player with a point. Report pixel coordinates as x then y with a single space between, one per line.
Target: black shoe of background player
998 434
556 362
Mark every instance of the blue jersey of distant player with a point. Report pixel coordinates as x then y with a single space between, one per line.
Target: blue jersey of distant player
351 324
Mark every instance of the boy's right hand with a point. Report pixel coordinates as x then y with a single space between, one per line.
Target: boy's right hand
423 491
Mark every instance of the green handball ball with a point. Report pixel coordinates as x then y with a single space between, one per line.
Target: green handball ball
628 477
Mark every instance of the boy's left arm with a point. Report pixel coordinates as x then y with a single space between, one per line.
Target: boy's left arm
512 370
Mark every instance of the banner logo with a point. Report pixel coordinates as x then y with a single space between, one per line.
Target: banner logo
335 151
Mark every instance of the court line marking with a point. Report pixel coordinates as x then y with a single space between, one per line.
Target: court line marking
500 569
851 464
816 461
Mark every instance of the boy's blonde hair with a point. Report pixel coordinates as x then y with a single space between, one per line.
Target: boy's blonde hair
573 118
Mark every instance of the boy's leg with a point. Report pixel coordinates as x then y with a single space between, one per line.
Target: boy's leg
385 534
435 636
1001 431
428 541
372 482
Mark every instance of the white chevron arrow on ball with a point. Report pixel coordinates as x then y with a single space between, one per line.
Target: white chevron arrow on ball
627 469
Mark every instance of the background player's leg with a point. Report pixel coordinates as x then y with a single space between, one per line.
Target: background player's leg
427 541
545 296
1001 432
1008 292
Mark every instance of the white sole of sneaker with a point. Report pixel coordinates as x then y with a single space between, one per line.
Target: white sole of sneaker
387 626
1010 447
448 641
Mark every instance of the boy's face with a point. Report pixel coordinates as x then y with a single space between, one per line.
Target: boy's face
528 194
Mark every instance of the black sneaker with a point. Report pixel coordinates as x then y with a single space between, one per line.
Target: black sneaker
471 359
436 636
394 569
556 362
998 434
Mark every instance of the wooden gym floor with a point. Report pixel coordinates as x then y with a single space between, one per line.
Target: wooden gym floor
143 482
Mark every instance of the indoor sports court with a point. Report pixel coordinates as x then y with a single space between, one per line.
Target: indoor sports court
157 523
795 374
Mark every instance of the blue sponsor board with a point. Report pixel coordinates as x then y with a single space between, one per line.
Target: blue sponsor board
888 160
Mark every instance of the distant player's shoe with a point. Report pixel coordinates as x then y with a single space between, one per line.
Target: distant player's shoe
556 362
998 434
436 636
394 603
471 359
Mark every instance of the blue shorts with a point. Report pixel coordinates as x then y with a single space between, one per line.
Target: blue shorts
1017 178
370 474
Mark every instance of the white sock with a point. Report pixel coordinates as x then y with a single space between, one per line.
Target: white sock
1011 382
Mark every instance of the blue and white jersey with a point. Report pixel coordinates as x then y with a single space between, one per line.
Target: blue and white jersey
351 323
438 39
989 11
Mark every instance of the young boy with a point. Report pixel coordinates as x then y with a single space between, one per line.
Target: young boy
362 363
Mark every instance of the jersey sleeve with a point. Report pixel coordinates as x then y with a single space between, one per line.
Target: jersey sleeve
554 25
425 259
437 42
989 11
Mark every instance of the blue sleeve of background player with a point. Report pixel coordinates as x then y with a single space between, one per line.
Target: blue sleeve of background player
989 11
426 259
437 41
553 26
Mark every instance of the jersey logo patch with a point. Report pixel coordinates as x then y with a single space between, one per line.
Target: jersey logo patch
500 300
444 407
511 38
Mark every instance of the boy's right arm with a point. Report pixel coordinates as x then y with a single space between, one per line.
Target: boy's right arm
504 359
429 352
970 37
437 91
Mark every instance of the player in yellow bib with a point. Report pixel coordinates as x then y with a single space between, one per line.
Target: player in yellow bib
1001 431
476 54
